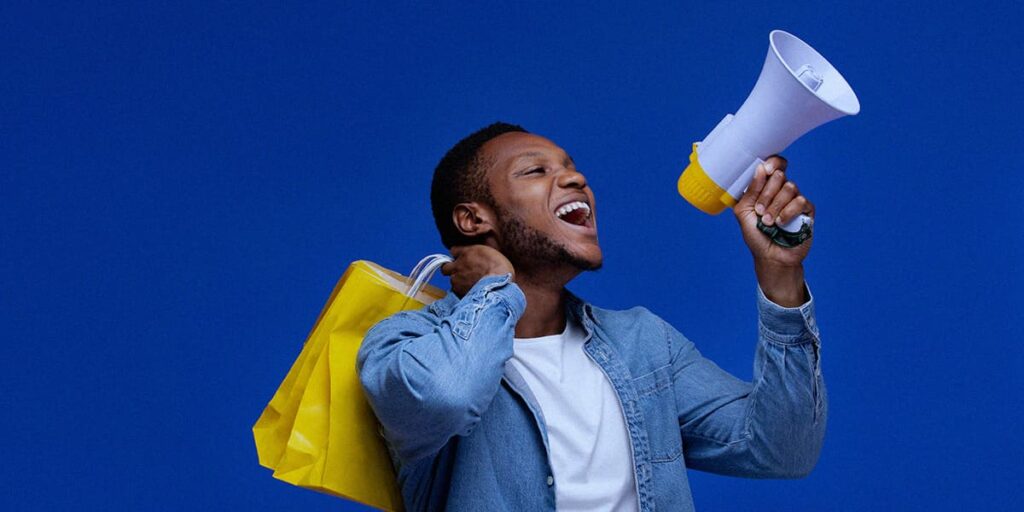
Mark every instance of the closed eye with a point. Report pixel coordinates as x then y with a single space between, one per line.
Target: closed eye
535 170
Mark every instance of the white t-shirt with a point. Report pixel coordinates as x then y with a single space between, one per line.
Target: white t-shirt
589 444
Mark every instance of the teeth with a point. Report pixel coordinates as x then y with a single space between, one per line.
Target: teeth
575 205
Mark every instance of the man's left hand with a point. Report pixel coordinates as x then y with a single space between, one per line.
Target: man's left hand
776 200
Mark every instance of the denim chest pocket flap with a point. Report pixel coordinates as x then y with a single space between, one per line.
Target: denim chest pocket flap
653 382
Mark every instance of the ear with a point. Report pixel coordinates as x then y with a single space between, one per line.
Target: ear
473 219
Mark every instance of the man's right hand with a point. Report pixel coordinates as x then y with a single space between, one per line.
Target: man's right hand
473 263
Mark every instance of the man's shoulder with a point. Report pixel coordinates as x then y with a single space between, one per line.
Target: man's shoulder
632 312
636 316
423 318
638 334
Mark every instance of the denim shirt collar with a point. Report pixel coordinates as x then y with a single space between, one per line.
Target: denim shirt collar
581 311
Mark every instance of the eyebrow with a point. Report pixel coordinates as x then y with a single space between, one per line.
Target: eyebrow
567 161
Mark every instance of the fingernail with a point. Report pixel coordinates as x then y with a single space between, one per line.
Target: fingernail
767 220
778 220
769 169
759 208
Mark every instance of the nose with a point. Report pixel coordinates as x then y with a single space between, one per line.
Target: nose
572 178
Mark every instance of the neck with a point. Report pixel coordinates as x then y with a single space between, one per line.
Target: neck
545 304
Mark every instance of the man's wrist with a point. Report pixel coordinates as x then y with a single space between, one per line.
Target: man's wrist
782 284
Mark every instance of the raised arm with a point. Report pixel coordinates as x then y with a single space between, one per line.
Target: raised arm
429 377
775 426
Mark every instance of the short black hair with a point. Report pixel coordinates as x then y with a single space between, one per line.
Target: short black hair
459 178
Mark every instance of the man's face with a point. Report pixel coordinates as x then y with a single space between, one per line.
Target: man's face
545 207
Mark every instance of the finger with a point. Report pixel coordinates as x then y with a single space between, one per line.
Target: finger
772 187
448 268
775 162
781 199
798 205
746 202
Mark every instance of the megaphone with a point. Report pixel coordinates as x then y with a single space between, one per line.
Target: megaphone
798 90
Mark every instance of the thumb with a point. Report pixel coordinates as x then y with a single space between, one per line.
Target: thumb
746 203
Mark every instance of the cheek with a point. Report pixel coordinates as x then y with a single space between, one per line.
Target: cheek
530 205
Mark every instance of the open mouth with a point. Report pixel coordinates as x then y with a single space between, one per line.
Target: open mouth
577 213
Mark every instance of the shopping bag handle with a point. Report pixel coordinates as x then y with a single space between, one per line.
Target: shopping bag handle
424 270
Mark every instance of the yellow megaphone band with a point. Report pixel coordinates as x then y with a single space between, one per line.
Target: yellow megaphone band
700 190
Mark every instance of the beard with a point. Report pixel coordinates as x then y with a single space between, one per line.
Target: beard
528 247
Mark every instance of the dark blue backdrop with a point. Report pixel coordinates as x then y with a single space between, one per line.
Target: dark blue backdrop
180 187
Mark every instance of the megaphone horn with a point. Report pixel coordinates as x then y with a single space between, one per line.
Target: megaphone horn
798 90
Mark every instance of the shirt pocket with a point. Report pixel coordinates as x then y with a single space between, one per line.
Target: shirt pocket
657 402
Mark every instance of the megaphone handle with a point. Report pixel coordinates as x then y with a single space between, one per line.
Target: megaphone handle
790 234
796 223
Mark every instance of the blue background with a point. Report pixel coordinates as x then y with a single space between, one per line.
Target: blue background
181 186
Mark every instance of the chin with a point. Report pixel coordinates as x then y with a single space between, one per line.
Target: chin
588 261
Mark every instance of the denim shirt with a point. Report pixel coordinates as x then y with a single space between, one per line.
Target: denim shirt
465 432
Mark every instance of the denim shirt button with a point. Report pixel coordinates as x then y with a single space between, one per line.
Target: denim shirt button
551 480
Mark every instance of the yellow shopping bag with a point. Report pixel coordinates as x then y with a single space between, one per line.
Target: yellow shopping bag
318 431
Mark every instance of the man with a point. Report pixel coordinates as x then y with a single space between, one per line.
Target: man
513 394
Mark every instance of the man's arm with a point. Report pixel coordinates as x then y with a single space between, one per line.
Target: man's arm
771 428
429 378
775 426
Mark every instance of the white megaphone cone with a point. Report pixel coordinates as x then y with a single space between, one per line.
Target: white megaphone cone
798 90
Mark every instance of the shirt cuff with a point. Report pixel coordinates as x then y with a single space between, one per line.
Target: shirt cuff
502 288
787 325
